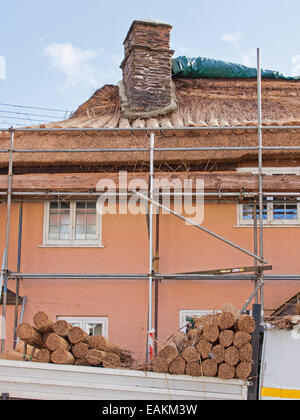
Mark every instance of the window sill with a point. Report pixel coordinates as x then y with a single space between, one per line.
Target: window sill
268 226
72 246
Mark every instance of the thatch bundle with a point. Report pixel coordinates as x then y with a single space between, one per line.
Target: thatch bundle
42 356
77 335
62 357
62 328
204 347
226 338
80 350
232 356
193 369
211 332
220 345
60 343
54 342
218 353
226 371
42 322
177 367
241 338
159 365
30 335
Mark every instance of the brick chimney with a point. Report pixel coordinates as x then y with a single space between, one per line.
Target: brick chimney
147 88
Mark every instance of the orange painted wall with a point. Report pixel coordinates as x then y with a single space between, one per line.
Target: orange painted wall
125 240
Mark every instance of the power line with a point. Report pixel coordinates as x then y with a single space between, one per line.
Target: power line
9 124
34 107
26 113
26 119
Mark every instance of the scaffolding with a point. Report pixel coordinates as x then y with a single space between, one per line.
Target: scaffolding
153 276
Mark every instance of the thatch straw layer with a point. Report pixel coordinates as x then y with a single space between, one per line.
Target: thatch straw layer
201 103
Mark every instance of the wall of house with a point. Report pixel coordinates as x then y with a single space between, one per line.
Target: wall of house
125 239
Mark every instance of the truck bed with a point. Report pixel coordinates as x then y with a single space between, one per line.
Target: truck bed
28 380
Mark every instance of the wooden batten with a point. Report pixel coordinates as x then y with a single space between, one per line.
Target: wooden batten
214 181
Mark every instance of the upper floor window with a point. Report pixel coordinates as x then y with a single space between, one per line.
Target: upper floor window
276 211
279 170
72 223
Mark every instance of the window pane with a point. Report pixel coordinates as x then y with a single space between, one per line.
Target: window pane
54 218
53 232
65 217
94 329
278 212
80 218
85 222
91 219
91 232
292 212
59 221
248 212
285 209
64 232
80 231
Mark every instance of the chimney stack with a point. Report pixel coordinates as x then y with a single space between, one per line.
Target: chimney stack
147 88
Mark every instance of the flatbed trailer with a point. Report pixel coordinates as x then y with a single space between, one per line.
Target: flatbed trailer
34 381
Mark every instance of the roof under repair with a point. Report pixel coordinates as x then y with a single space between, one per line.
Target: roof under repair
166 102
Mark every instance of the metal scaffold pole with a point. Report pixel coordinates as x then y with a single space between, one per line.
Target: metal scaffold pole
260 177
255 246
8 211
150 339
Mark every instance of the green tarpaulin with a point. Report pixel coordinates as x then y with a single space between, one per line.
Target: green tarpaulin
209 68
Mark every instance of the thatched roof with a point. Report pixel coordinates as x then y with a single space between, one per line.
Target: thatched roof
201 102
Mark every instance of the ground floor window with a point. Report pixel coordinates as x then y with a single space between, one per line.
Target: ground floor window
91 325
188 317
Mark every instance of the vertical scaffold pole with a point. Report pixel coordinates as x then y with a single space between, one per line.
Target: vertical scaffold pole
18 270
9 193
150 340
255 246
260 176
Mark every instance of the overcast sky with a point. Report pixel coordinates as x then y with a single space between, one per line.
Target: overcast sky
56 53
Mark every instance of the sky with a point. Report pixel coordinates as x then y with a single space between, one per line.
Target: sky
55 54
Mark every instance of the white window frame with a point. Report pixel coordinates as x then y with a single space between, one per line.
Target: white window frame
84 321
270 217
268 170
269 221
184 314
72 242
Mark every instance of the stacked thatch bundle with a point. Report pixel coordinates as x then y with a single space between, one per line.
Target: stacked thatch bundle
61 343
218 345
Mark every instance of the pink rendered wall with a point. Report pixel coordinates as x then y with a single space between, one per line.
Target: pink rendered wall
125 240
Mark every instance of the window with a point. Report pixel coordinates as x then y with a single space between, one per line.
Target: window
92 326
72 223
272 171
277 211
188 316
